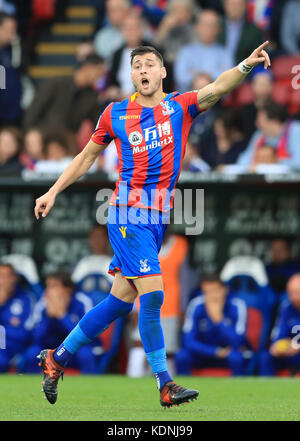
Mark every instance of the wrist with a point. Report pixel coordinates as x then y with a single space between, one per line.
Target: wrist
244 68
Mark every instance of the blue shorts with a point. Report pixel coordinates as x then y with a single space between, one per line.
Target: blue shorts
136 235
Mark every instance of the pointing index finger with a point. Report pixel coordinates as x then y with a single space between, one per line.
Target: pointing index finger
262 46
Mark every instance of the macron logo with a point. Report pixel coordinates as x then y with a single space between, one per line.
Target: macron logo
61 351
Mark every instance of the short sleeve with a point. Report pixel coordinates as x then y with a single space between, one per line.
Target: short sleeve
189 102
103 133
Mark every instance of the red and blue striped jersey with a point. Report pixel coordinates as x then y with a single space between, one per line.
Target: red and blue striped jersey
150 143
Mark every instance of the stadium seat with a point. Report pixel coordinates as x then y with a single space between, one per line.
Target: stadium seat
91 277
111 340
281 92
282 66
247 278
244 94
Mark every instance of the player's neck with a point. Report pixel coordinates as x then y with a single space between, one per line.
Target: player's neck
150 101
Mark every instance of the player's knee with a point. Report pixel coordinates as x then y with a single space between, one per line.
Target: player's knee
151 301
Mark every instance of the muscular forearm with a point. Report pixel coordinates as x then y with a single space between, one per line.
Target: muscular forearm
229 80
77 168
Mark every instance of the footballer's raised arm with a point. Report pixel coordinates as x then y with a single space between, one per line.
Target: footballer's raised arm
77 168
230 79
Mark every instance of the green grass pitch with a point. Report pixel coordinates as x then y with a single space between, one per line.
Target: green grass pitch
118 398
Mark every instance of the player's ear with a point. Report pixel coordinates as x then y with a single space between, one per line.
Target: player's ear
163 72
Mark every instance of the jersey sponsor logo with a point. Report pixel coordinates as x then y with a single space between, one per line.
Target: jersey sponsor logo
167 109
135 138
144 268
152 136
129 117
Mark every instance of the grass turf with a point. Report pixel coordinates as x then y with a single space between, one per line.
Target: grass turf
118 398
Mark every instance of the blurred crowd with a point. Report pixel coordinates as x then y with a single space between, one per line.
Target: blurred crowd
243 321
254 129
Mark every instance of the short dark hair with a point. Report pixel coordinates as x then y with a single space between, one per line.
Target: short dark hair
64 277
275 111
4 16
142 50
58 135
211 278
92 60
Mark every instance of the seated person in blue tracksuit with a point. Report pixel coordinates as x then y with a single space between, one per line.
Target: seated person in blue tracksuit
15 312
55 315
214 330
284 351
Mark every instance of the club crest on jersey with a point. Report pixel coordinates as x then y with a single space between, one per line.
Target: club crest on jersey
144 268
135 138
167 110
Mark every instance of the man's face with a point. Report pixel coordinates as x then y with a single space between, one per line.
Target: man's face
93 73
55 288
208 27
147 74
98 240
214 291
293 290
262 86
8 280
8 31
235 9
132 31
280 251
116 12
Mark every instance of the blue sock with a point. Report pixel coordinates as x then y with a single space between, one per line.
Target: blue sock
92 324
152 335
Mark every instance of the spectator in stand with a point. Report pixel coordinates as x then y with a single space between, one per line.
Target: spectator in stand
262 87
110 37
54 316
56 153
204 122
282 265
33 149
153 12
260 13
223 145
238 36
214 330
175 29
67 101
120 74
204 55
266 161
290 29
274 129
10 147
15 312
192 160
10 74
284 352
